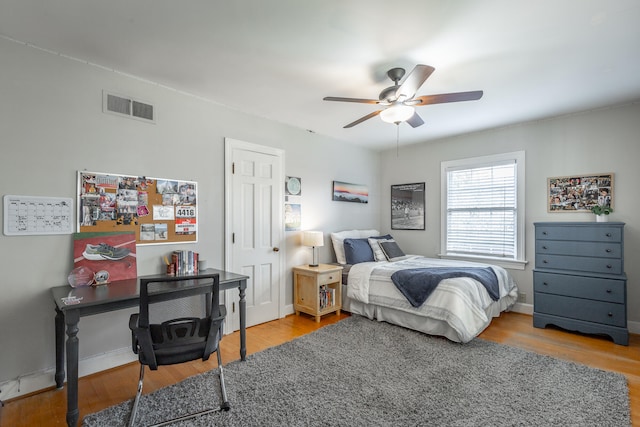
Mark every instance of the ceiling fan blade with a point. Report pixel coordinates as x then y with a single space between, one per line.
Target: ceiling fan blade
449 97
362 101
414 80
415 120
362 119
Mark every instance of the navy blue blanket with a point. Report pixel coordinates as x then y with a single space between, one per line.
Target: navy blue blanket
416 284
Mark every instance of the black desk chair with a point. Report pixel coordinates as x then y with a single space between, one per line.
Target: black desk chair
179 339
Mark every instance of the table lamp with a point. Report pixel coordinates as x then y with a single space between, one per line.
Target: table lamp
313 239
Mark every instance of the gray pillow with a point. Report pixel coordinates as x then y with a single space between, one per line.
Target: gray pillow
391 250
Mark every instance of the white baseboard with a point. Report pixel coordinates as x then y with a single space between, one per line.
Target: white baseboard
523 308
288 309
35 381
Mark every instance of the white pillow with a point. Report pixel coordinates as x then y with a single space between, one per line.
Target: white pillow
337 239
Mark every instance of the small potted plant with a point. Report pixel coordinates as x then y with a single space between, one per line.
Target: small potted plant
601 212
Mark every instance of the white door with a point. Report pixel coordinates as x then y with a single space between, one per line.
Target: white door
254 229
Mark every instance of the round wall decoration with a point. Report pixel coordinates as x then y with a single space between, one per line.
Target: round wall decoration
293 186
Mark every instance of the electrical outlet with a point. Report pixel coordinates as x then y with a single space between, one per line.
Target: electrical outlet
522 297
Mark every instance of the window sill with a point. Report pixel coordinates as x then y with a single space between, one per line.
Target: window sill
509 264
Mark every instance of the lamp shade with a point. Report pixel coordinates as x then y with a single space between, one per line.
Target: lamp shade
312 238
397 113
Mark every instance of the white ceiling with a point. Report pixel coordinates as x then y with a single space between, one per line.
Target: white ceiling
278 59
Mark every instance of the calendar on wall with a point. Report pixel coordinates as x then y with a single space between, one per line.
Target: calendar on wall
32 215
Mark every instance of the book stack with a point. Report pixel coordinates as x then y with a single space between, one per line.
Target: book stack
327 297
186 262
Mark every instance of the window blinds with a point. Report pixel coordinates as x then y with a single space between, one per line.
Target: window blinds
482 210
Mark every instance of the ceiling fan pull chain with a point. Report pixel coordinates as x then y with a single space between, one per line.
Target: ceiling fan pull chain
398 139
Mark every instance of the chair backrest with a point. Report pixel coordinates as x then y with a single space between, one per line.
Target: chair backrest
186 337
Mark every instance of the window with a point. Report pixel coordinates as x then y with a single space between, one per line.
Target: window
483 199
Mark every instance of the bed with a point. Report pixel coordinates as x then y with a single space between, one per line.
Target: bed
458 308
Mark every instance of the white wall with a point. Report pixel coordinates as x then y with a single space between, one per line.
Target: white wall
52 126
592 142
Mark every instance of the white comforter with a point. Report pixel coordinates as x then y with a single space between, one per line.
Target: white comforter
462 302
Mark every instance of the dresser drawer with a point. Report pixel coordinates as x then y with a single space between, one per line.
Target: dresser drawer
582 309
609 290
595 233
582 264
326 278
590 249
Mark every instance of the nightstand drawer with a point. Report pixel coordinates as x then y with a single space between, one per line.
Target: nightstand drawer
582 309
589 233
326 278
581 264
588 249
609 290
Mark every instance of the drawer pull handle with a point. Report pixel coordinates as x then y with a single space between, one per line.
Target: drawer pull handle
544 247
610 314
544 233
545 283
544 261
608 234
608 291
330 277
608 251
609 266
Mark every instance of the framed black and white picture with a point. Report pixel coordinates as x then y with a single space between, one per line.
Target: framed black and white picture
407 206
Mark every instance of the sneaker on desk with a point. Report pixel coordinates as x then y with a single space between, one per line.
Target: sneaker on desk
103 251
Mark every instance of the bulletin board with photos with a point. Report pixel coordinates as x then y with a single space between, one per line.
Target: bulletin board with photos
158 210
579 193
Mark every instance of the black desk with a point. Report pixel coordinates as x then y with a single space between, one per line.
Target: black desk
115 296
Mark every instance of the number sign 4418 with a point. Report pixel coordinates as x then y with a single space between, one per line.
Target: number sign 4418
185 211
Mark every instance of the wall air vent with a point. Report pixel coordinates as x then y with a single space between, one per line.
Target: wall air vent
127 106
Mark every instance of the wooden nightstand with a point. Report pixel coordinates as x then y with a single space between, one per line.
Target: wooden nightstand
317 290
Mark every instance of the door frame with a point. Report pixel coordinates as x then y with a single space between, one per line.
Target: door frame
231 298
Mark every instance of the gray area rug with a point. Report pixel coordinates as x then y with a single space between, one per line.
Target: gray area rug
359 372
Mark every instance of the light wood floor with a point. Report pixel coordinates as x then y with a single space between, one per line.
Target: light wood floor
111 387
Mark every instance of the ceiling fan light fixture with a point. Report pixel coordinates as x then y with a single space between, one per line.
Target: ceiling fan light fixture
397 103
397 113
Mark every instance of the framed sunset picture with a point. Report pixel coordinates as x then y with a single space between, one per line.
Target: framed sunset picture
346 192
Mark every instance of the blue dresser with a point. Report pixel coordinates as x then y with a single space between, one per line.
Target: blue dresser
579 282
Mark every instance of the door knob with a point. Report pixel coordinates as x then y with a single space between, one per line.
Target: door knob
276 249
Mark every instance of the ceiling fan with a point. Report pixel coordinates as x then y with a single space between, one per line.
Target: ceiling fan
400 99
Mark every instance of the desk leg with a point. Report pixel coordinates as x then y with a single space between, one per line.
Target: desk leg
59 349
243 323
71 319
